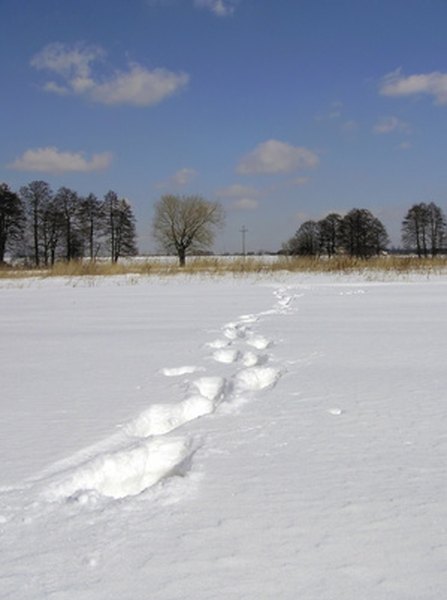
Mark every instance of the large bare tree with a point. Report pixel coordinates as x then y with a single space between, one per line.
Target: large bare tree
12 220
36 197
424 229
186 224
362 234
91 219
306 241
67 203
120 229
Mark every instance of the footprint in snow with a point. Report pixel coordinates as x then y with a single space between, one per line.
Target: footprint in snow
256 378
178 371
250 359
160 419
226 355
125 472
248 318
210 387
219 343
234 331
259 342
285 301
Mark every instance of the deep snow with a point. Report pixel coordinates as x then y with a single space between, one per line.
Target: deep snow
223 439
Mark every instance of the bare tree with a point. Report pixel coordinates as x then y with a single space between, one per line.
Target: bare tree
437 228
362 234
52 228
186 224
330 228
91 217
424 229
415 229
125 234
306 241
36 197
120 227
66 202
12 220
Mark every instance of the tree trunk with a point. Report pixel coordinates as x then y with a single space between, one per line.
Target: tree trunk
182 256
36 239
91 242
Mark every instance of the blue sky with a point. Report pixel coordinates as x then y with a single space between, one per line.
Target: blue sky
283 110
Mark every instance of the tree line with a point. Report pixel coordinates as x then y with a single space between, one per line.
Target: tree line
44 226
360 234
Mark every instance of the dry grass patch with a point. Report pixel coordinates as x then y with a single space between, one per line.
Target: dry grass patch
236 266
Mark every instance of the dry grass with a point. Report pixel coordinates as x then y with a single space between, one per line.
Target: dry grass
236 266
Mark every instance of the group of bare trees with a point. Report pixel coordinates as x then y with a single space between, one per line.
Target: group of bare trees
45 226
359 233
424 229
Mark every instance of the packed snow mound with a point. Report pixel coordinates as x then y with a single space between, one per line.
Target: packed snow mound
210 387
126 472
259 342
219 343
163 418
256 378
234 331
226 355
178 371
250 359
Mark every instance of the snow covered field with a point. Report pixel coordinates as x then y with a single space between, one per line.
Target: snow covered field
196 439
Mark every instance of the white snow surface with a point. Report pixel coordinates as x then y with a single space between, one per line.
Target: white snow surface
223 439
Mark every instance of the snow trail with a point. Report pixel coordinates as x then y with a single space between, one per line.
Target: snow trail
149 449
178 371
256 378
226 355
125 472
163 418
217 485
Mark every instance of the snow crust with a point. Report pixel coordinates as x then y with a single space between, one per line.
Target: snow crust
222 439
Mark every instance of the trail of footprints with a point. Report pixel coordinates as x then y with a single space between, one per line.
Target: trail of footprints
153 447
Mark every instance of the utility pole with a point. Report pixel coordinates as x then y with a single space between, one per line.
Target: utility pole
244 230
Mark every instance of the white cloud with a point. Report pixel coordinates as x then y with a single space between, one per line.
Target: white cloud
52 160
221 8
56 88
237 191
184 176
405 146
243 196
245 204
74 62
273 157
181 178
433 84
137 86
391 124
